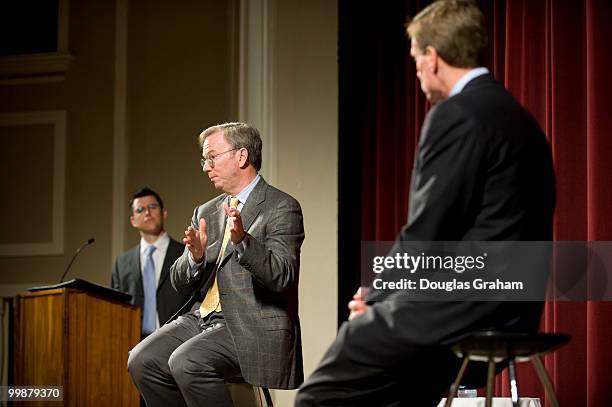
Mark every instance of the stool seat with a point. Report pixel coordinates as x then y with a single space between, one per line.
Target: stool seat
501 346
494 347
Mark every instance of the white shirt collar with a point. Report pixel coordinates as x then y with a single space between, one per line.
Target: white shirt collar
244 194
473 73
161 244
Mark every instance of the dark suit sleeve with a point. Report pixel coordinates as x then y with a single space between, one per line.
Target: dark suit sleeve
275 260
115 282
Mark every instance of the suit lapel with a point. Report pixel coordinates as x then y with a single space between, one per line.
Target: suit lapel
134 264
252 207
426 125
165 270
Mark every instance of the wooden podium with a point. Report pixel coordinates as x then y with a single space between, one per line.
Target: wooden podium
78 338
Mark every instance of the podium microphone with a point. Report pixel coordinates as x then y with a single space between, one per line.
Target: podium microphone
76 253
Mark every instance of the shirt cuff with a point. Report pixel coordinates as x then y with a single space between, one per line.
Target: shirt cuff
241 247
193 266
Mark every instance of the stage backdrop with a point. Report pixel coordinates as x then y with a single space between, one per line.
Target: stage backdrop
554 56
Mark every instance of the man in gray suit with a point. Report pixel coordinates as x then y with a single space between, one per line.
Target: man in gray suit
156 252
241 263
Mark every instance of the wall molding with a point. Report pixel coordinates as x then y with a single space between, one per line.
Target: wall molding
47 67
256 76
44 64
119 129
57 118
11 290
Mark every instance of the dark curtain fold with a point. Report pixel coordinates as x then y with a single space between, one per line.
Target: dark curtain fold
553 56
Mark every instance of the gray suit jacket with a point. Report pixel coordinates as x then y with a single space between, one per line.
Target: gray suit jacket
127 277
259 290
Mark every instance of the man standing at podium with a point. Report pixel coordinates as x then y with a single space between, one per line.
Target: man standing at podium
144 271
242 262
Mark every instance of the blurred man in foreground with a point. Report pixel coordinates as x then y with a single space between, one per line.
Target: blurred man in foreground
483 172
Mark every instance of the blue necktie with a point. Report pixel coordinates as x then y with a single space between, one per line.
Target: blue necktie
149 312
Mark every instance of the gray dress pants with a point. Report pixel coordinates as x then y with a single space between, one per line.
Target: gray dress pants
185 363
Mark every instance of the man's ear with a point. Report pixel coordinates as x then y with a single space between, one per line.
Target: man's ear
244 158
165 214
132 221
431 56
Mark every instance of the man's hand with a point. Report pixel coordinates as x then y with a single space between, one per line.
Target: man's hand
237 232
357 305
196 241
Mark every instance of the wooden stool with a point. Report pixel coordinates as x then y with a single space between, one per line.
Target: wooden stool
496 347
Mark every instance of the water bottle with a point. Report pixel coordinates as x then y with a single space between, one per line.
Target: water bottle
466 392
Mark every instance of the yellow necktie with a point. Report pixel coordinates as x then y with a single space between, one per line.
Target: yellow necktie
211 301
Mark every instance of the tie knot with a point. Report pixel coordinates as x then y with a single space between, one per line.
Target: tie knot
151 249
234 202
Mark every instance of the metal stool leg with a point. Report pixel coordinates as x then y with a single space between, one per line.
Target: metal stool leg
267 396
490 376
261 394
513 385
455 386
545 380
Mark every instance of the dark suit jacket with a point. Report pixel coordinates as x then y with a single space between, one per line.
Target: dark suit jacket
127 277
483 172
259 290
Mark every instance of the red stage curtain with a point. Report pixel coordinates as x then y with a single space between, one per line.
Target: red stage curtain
553 56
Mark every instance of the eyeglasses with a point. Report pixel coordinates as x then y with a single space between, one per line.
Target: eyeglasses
150 207
211 160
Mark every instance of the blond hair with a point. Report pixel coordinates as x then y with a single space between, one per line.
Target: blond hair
454 28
